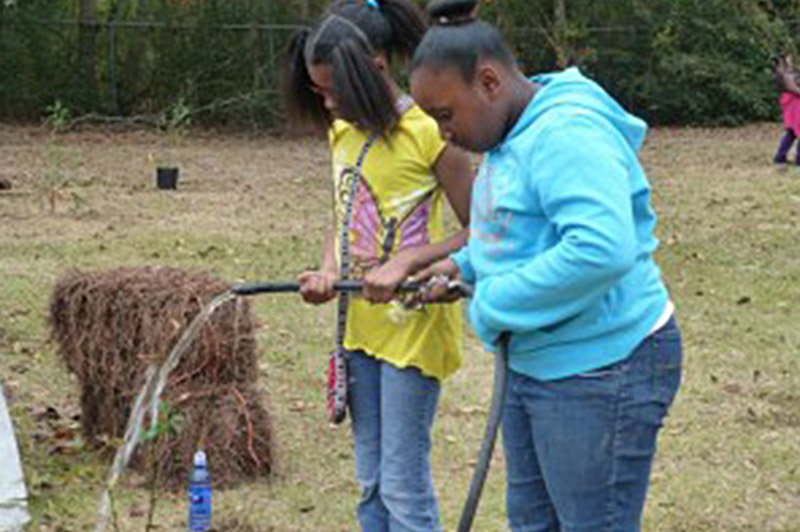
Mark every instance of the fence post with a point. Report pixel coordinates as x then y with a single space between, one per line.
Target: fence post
87 31
113 71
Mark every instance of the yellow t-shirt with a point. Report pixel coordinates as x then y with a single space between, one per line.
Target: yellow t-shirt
398 204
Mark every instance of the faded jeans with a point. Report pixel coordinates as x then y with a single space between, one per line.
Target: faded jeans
392 411
579 450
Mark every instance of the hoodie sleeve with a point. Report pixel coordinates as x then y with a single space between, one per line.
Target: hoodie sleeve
461 258
582 179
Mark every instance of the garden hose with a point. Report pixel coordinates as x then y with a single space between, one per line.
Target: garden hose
498 392
251 289
490 435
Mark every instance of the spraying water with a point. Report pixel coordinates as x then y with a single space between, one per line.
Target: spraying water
155 381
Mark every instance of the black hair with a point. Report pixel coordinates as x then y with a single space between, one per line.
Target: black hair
395 27
347 38
454 10
457 39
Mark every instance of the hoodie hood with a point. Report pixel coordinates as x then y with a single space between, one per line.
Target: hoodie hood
570 89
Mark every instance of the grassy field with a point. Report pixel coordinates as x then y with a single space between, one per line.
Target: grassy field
255 208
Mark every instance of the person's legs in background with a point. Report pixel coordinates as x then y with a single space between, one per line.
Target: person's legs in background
797 154
784 146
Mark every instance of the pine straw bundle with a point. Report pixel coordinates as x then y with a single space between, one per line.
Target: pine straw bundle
231 426
110 325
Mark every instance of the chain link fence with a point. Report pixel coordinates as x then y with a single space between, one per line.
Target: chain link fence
223 59
142 68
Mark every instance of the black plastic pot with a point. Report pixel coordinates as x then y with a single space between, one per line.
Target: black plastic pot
167 178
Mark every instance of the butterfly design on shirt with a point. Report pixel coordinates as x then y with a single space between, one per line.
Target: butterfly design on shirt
374 237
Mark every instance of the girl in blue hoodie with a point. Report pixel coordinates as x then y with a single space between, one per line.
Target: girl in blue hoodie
561 254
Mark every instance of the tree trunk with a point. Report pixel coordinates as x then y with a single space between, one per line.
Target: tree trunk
137 44
257 12
561 12
561 34
305 9
88 50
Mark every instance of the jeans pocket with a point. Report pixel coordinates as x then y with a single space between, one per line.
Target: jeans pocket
668 347
668 351
605 372
668 382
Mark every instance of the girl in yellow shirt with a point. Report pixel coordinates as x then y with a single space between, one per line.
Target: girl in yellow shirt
391 173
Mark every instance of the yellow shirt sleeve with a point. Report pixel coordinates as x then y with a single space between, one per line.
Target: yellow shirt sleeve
432 142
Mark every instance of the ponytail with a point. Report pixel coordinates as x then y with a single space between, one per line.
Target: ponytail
303 105
407 24
348 38
394 27
361 90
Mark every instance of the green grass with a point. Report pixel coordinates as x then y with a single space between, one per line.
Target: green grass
255 209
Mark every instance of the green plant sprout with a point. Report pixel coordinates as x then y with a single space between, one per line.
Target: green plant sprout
174 123
58 117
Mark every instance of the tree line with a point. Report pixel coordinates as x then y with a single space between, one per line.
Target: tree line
698 62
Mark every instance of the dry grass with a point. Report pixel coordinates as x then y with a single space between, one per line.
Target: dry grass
255 208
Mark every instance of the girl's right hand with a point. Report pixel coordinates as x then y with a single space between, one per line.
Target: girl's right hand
438 292
316 287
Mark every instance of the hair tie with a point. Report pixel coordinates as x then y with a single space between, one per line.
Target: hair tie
373 4
453 12
458 20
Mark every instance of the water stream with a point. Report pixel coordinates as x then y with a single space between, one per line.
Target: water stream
155 381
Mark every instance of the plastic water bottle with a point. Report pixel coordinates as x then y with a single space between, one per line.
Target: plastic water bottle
199 495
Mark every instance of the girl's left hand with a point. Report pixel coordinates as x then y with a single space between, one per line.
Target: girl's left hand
381 283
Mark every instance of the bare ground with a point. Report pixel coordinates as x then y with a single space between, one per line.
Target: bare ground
254 208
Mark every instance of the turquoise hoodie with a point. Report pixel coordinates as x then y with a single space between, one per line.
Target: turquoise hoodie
561 236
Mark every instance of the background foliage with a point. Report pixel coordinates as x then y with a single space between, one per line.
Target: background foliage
671 61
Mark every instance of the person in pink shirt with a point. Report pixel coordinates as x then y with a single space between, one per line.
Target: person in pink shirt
786 77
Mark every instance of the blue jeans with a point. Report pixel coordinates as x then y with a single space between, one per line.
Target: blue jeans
579 450
392 412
